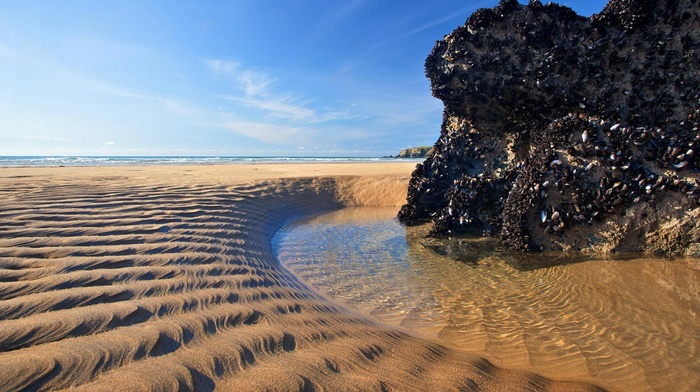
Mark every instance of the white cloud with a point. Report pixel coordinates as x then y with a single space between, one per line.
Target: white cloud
294 110
222 66
78 81
279 117
461 13
284 107
268 133
255 109
255 84
109 143
174 105
341 11
252 82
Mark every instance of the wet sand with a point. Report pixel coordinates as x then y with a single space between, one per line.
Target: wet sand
162 278
625 323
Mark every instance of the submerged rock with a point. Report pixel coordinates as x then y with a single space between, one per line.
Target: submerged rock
562 132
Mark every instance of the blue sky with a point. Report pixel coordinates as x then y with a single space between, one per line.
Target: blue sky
253 77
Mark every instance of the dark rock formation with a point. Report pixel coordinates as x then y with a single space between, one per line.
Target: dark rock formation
563 132
415 152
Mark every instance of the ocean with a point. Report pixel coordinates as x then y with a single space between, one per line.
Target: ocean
48 161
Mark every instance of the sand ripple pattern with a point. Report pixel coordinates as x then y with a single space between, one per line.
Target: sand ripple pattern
628 324
122 285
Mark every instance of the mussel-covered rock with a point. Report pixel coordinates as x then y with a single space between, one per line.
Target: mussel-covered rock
567 133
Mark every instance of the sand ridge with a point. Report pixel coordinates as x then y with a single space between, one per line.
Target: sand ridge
162 278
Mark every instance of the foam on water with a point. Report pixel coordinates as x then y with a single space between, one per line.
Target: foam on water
44 161
630 324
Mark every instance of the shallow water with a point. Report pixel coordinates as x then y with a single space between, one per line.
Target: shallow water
631 324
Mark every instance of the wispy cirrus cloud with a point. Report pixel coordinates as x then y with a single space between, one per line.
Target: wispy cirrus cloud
462 13
268 133
283 107
252 82
339 12
270 116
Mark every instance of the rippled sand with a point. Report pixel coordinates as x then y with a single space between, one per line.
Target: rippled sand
629 324
162 278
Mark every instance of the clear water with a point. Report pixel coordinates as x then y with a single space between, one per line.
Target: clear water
631 324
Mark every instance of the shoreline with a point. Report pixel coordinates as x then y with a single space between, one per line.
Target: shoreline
146 277
145 161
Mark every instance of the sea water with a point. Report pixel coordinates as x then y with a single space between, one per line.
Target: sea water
48 161
628 323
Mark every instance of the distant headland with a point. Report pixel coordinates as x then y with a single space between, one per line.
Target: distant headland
414 152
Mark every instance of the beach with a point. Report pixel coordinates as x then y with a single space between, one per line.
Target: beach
163 278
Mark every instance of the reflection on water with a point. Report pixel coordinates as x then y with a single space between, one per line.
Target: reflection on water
623 324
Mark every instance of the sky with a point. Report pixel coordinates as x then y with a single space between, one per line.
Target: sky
223 78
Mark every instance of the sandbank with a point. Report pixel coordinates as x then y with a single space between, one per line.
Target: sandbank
162 278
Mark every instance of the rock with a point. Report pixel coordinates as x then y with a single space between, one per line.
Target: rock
415 152
593 121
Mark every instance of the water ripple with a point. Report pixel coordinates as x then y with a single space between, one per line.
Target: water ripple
627 324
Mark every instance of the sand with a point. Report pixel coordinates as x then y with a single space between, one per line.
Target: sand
162 278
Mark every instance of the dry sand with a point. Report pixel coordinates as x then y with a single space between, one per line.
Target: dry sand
162 278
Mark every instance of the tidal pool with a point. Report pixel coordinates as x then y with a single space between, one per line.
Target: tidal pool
628 323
